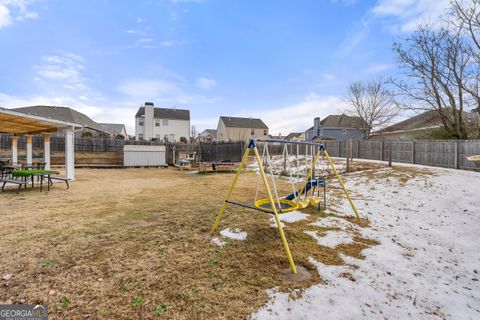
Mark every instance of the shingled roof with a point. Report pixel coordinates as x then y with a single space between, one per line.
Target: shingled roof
342 121
206 132
236 122
63 114
166 113
292 135
113 128
427 119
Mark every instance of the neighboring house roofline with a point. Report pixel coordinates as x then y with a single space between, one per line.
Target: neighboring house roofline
406 131
165 113
61 113
239 122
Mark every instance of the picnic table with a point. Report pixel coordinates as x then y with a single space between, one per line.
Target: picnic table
36 173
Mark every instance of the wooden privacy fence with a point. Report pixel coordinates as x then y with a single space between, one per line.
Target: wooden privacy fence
447 154
444 153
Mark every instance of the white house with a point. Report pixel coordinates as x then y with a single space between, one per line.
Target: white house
166 124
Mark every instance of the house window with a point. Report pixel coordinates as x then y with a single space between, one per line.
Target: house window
140 123
252 132
165 122
265 132
165 138
157 136
172 137
140 136
157 123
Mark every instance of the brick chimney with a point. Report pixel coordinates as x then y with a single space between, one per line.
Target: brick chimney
316 126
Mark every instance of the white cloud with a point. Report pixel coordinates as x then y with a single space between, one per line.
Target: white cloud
407 14
5 19
345 2
205 83
148 89
377 68
397 15
11 10
173 91
64 69
328 76
354 37
185 1
28 15
299 116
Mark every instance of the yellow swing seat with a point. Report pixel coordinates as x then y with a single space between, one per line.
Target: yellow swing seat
314 201
303 203
285 205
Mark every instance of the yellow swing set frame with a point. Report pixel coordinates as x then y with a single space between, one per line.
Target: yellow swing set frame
252 147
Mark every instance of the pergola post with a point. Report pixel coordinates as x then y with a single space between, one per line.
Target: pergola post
46 150
69 154
14 150
29 139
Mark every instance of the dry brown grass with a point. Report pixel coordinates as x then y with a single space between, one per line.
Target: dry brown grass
123 244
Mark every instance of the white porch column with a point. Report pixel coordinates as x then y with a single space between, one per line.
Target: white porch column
14 150
69 154
46 150
29 149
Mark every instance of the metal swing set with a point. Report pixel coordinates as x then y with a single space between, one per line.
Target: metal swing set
275 205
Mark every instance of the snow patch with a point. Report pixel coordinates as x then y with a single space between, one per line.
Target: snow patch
218 242
333 222
331 238
236 234
289 217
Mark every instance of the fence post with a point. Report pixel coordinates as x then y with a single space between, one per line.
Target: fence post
347 154
413 152
390 154
456 155
381 150
351 150
285 159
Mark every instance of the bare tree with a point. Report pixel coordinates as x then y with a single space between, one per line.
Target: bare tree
437 66
465 16
373 102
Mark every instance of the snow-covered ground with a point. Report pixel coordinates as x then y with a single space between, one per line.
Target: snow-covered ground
427 265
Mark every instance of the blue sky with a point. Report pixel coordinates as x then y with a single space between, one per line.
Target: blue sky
283 61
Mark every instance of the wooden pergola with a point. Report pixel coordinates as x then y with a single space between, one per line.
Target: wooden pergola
21 124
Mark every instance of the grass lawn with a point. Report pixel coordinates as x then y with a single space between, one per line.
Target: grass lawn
128 244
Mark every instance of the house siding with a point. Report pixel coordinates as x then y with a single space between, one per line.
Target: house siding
173 131
337 134
238 134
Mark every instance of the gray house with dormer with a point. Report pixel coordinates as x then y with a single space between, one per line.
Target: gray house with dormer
336 127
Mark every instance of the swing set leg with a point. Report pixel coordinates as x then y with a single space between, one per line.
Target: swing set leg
343 186
275 213
230 191
270 197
